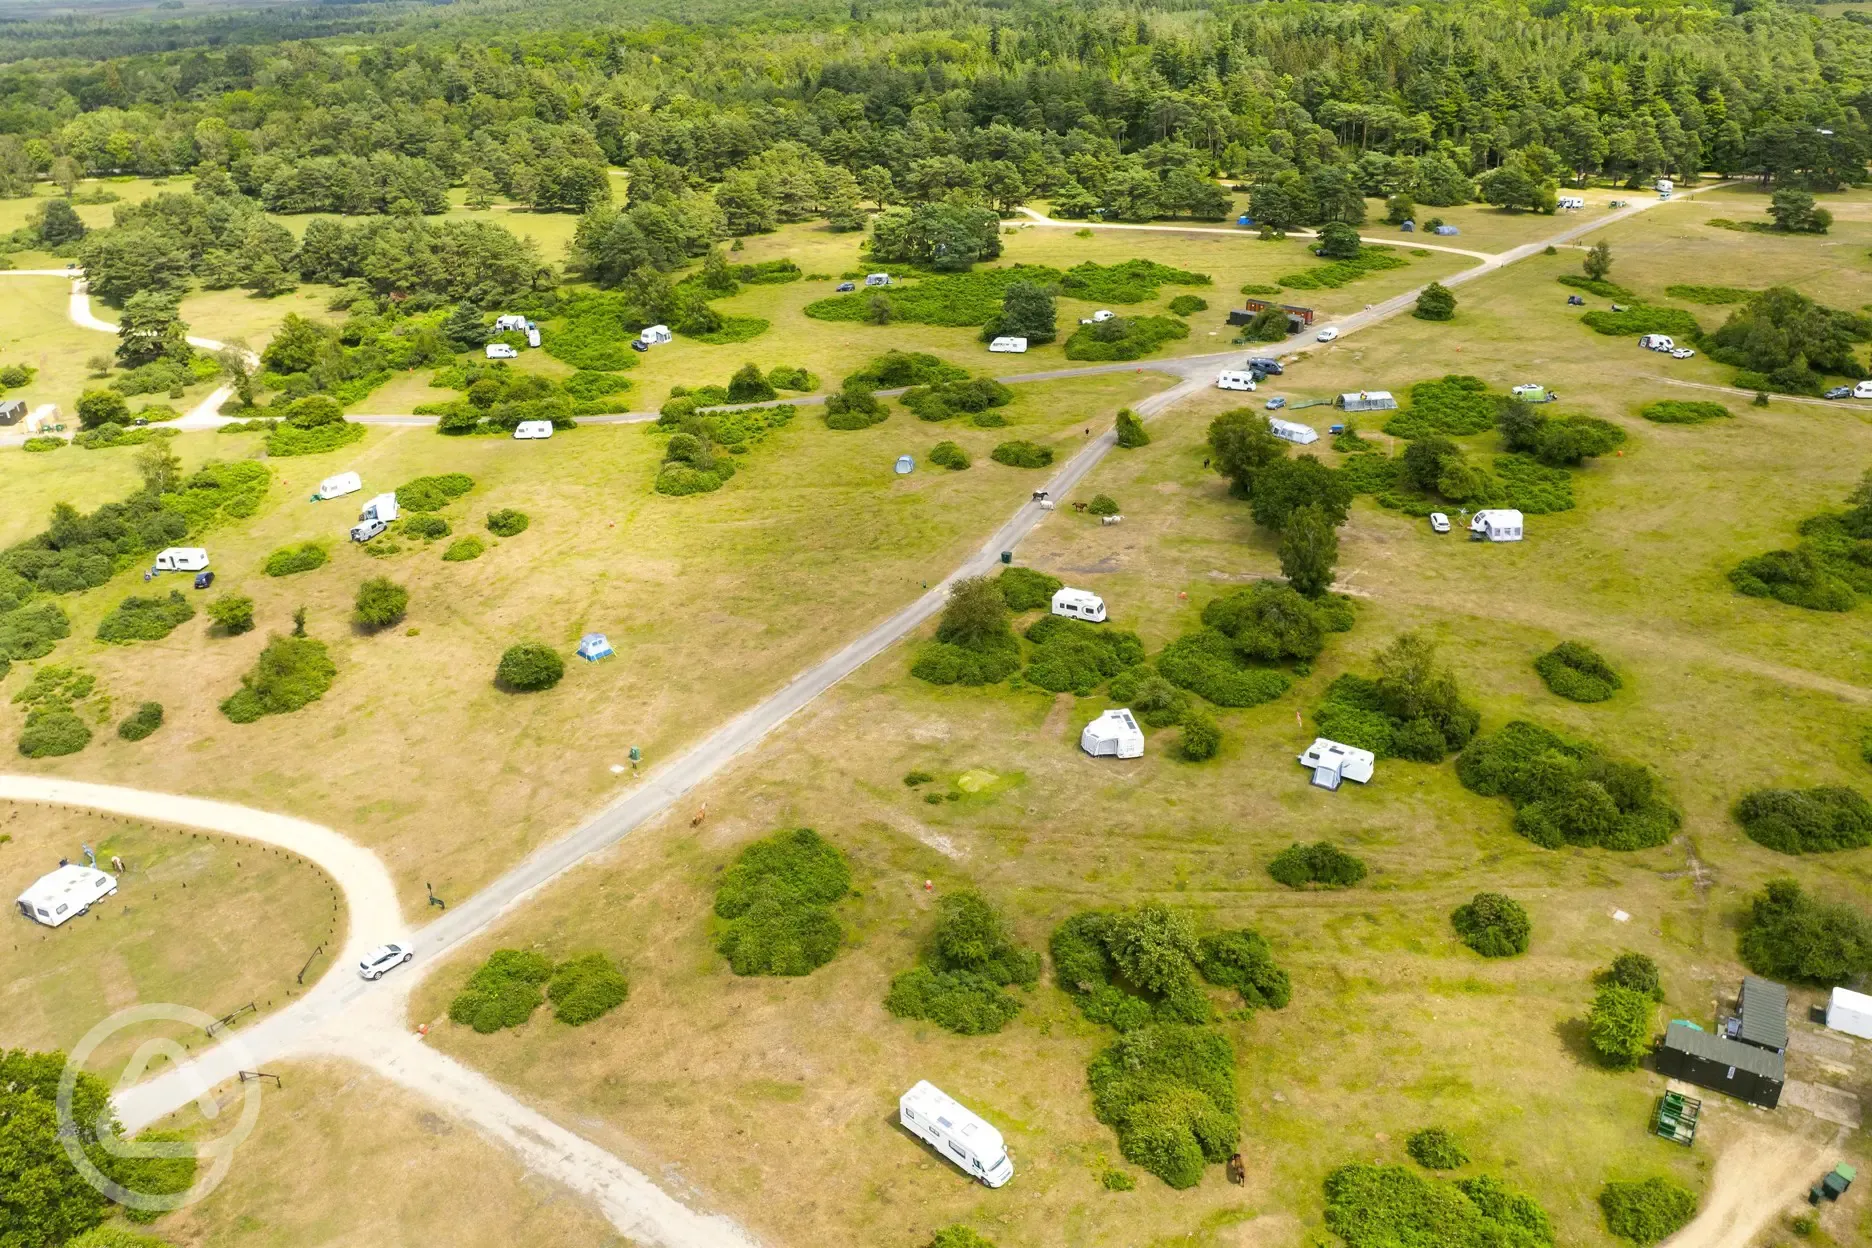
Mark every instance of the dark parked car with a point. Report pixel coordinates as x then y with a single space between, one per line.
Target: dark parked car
1839 392
203 580
845 286
1263 365
638 344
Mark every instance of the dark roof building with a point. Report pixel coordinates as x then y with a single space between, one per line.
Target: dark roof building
1763 1009
1744 1071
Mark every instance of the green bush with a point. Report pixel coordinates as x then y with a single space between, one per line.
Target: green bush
1493 925
503 992
776 903
949 455
1796 577
1455 405
1188 305
1243 960
233 614
1320 864
1565 793
1789 934
433 493
1534 487
940 663
111 1236
529 667
292 559
1596 286
1124 338
1072 655
1022 454
1575 671
953 299
585 988
590 385
733 329
901 369
507 522
1435 302
31 631
1201 738
145 619
40 443
1129 281
1643 318
1207 664
1128 968
1155 701
958 1001
948 399
1618 1026
1027 590
463 549
1682 412
593 331
1103 505
1434 1148
381 602
854 407
424 524
1117 1181
1371 1206
52 731
792 377
1413 710
1647 1210
970 957
286 439
1636 972
1715 295
1806 821
1130 430
290 672
1169 1092
1337 273
140 723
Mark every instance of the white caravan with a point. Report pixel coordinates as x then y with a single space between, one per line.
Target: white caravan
877 279
533 429
182 559
508 321
1015 346
654 335
1229 379
955 1131
1501 524
340 485
383 508
533 338
1863 390
1079 604
1657 342
65 894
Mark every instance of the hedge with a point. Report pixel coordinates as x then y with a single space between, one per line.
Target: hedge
1434 1148
529 667
503 992
1169 1092
948 399
433 493
1683 412
1806 821
1493 925
1320 864
1027 590
1643 318
290 672
1567 793
507 522
734 329
1647 1210
1072 655
949 455
1575 671
1372 1206
585 988
293 559
140 723
776 902
1022 454
1456 405
1124 338
1129 281
1207 664
145 619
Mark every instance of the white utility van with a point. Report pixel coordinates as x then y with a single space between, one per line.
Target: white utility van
182 559
67 893
533 429
1657 342
1016 346
365 530
956 1132
1079 604
501 351
382 508
654 335
340 485
1229 379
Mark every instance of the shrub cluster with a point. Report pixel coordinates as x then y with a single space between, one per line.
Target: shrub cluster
1532 487
433 493
53 727
1124 337
1566 793
1024 589
1789 934
970 958
1493 925
1169 1092
973 645
1201 738
1077 657
1371 1206
507 522
593 331
954 299
854 407
140 723
463 549
1153 700
1188 305
1830 568
1130 430
1435 1148
145 619
1782 340
1243 960
959 1236
1129 968
289 673
1022 454
1456 404
1414 709
949 455
381 602
1129 281
1208 664
497 397
31 631
1321 864
424 524
1642 318
1713 295
895 370
233 614
1556 441
503 992
1601 287
1575 671
1337 273
586 987
529 667
301 558
1806 821
312 426
776 904
1683 412
1647 1210
976 397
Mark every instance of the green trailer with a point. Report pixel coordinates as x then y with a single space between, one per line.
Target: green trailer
1676 1118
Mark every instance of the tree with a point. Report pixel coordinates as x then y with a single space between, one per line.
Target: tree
236 363
1493 925
943 235
1399 208
381 602
1435 302
150 330
44 1200
102 407
875 184
1027 311
1635 971
58 224
233 613
1510 186
1309 547
529 667
1598 261
159 466
1619 1026
1241 444
976 616
1338 241
1284 486
1131 433
1793 210
481 189
65 174
1789 934
748 386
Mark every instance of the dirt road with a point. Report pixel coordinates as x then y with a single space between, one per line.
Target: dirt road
1763 1171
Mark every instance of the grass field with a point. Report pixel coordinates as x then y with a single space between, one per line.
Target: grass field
344 1157
200 921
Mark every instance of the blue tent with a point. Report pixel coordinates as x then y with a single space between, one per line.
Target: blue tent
1409 227
594 646
905 465
1446 230
1244 219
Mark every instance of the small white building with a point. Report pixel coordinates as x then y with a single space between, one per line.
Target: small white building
1014 346
383 508
1331 762
533 429
955 1131
507 321
595 646
182 559
877 279
1657 342
340 485
1293 431
1498 524
1079 604
1115 734
1231 379
654 335
1850 1012
65 894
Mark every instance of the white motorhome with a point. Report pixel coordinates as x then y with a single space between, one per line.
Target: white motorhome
654 335
1079 604
382 508
1293 431
533 429
1863 390
1229 379
955 1131
533 338
340 485
501 351
1016 346
1331 762
1497 524
65 894
1657 342
507 321
182 559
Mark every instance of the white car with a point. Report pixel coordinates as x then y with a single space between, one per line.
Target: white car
1439 523
501 351
381 959
1682 353
1328 334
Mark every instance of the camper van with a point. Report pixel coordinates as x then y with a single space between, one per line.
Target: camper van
501 351
1502 524
956 1132
1657 342
1015 346
65 894
340 485
1079 604
1863 390
1229 379
653 336
533 338
382 508
182 559
533 429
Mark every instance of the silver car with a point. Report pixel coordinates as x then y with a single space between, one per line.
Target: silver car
381 959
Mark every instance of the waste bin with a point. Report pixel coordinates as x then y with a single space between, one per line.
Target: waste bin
1007 556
